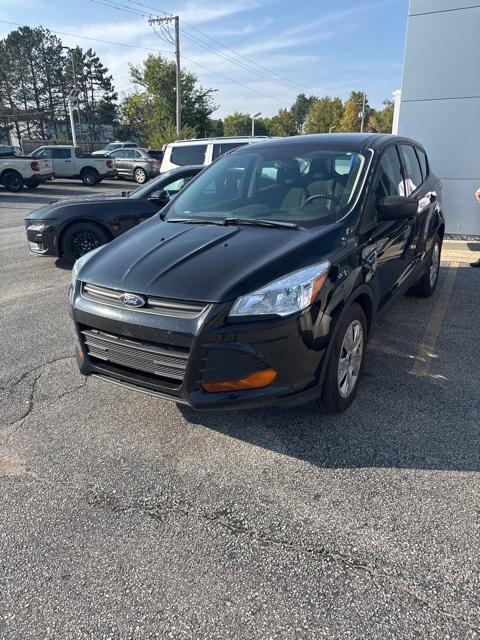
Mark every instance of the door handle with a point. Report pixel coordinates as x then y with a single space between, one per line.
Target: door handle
370 260
433 196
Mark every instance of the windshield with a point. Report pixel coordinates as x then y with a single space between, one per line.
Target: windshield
112 146
304 187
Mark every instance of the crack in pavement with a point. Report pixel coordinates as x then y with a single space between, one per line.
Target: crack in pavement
9 384
237 526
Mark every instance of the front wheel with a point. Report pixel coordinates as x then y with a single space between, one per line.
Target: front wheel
427 284
140 176
12 181
80 238
346 361
90 177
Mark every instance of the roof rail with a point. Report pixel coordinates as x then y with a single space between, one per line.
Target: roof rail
219 138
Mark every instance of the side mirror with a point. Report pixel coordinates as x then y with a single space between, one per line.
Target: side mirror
397 208
159 195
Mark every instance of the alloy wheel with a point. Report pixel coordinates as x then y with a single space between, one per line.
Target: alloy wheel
350 361
83 242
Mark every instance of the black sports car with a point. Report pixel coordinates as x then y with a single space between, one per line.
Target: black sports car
70 228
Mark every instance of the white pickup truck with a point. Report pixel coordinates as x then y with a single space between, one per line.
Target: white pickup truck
71 162
19 171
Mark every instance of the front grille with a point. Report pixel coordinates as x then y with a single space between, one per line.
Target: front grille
159 306
163 361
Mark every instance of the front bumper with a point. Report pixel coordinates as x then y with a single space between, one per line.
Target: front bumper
39 179
42 239
208 348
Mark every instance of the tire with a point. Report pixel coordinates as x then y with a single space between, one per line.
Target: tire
80 238
339 389
12 181
140 175
89 176
33 185
426 285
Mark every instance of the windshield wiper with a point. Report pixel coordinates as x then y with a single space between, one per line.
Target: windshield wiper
194 221
261 223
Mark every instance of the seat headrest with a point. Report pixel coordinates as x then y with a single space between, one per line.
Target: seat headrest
318 169
289 173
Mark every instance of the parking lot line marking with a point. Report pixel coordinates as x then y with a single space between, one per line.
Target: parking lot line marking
426 349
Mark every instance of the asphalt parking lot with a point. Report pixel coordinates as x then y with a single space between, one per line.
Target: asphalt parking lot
125 516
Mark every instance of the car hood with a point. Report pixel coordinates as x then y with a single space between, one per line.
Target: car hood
55 206
204 263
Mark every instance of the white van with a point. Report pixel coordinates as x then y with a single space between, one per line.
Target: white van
201 150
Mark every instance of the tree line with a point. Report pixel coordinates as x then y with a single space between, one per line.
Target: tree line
149 112
36 76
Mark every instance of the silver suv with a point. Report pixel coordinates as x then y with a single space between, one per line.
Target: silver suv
137 164
115 145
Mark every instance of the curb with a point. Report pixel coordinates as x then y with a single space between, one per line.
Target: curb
469 246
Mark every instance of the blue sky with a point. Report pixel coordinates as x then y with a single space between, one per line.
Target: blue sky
325 47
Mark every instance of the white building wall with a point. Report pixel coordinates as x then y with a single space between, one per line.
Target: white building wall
440 101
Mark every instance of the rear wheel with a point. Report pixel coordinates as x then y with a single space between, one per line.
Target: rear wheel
346 361
90 177
80 238
12 181
140 175
427 284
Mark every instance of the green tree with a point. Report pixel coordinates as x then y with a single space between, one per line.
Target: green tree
36 77
283 124
325 113
352 109
300 109
156 98
238 124
382 120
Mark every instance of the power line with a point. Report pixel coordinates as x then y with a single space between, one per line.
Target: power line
150 49
262 72
122 7
76 35
237 53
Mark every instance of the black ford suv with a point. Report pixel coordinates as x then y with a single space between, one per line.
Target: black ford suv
260 283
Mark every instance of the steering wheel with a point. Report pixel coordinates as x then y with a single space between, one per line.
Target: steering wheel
318 196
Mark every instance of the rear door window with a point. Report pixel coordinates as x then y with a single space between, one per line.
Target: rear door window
61 154
220 149
188 154
413 177
129 154
422 158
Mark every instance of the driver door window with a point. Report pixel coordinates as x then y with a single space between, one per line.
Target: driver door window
390 178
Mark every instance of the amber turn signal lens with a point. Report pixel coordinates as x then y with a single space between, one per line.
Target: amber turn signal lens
256 380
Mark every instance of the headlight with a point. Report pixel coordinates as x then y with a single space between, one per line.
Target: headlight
284 296
38 225
80 262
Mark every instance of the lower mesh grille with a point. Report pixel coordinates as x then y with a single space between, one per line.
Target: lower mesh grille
163 361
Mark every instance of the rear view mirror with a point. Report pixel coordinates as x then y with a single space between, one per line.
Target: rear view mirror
397 208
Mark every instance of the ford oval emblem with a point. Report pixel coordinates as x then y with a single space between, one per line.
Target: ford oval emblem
132 300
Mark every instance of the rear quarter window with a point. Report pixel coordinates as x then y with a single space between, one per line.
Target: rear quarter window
188 154
422 158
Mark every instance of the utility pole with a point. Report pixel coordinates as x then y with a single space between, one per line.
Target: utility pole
362 114
178 89
72 101
74 76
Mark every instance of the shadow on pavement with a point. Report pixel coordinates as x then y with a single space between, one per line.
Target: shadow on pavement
400 418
